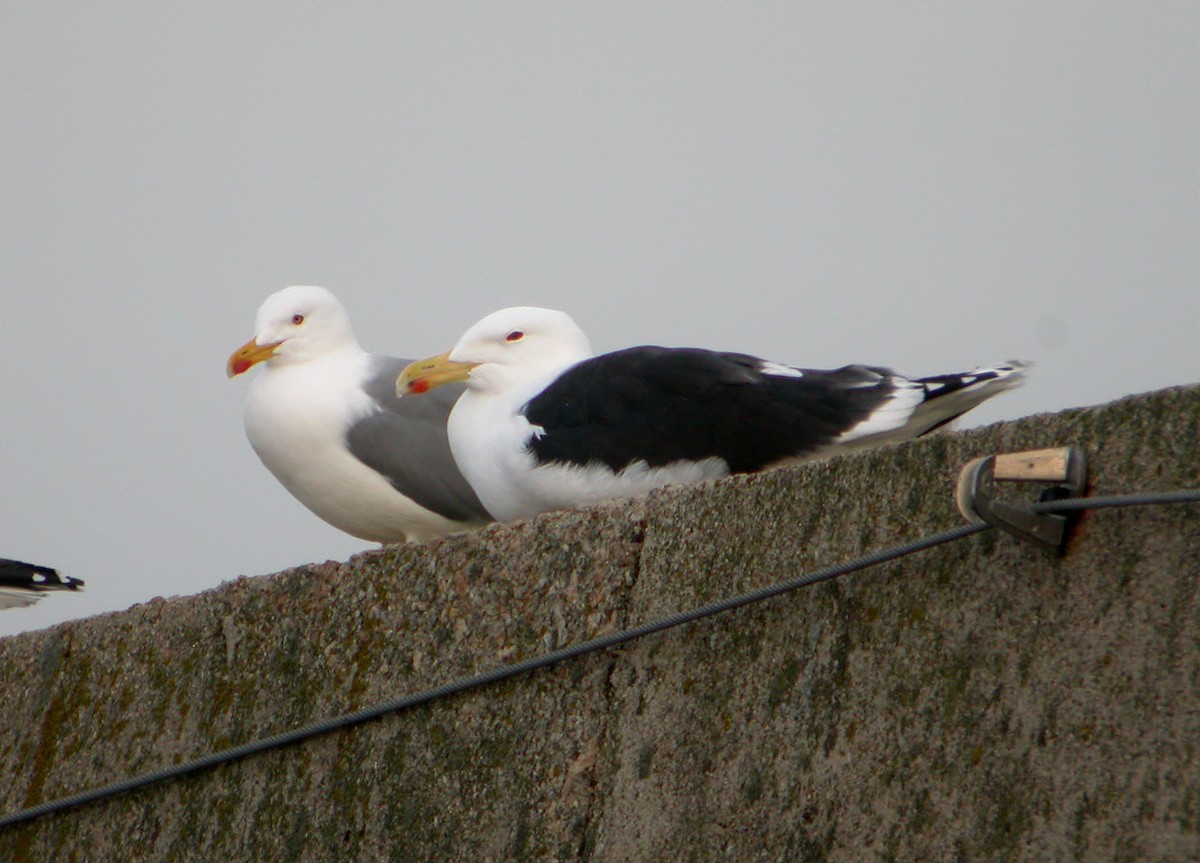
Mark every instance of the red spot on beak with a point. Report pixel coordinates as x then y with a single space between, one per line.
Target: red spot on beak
419 385
240 366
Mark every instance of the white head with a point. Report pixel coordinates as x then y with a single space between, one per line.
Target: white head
295 325
508 349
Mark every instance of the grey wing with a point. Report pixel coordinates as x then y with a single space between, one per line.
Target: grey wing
406 442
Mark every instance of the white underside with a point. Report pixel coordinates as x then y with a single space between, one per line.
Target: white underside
296 417
15 597
488 438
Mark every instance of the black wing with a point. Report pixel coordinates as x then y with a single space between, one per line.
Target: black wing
18 573
662 405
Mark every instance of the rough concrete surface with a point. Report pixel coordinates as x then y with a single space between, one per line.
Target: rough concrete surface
980 701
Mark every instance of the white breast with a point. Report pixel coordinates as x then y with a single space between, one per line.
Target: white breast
296 419
489 441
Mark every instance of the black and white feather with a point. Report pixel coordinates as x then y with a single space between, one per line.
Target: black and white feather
23 584
545 425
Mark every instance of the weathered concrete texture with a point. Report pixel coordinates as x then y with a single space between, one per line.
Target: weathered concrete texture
982 701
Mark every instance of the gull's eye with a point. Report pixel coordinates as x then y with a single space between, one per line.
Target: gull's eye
514 336
297 319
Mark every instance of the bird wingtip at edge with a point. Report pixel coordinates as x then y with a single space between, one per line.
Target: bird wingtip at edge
22 584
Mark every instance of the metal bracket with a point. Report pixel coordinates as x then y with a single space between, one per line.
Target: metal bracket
1066 466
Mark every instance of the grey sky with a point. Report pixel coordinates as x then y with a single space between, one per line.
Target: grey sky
925 186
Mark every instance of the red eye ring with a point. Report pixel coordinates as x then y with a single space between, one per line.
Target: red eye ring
297 319
514 336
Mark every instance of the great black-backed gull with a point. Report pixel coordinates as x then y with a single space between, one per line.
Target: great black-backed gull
545 425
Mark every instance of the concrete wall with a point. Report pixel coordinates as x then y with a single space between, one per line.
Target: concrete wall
982 701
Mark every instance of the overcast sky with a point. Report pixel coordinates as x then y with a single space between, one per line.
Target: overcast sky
924 186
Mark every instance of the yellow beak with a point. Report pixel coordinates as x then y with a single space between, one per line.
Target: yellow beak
423 375
248 355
